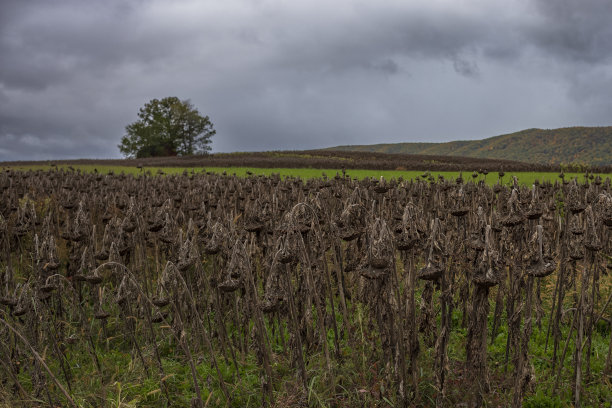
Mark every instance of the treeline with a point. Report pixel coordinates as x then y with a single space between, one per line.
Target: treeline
330 159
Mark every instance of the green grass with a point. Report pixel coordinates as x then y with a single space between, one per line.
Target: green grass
124 382
526 178
358 381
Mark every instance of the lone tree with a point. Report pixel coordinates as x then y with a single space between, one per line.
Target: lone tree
167 127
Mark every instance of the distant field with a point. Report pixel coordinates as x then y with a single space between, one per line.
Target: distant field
317 159
307 173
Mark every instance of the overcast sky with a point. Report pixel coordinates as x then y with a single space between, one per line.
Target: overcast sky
299 74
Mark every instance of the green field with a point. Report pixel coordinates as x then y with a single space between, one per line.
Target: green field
526 178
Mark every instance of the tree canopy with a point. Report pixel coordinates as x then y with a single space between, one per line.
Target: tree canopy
167 127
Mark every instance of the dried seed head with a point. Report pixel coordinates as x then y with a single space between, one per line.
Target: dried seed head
236 269
129 223
157 222
288 247
535 209
46 225
541 264
253 217
88 268
409 234
382 186
575 225
431 271
459 180
168 233
169 278
515 215
114 255
188 255
574 202
576 249
435 266
7 298
123 291
50 254
380 245
488 271
274 293
87 264
159 316
591 239
303 218
477 236
350 224
603 207
458 198
167 284
217 239
107 239
496 224
80 227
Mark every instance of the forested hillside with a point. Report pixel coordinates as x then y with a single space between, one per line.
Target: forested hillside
581 145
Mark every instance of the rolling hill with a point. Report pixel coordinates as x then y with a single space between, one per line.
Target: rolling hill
576 145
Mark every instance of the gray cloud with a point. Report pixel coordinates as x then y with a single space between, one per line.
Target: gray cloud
574 30
467 68
304 74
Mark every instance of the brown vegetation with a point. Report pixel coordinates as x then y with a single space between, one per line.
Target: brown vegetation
325 159
318 275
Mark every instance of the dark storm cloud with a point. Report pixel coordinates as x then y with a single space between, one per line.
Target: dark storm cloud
578 31
275 74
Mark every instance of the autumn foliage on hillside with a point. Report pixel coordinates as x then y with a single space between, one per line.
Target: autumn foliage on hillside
586 146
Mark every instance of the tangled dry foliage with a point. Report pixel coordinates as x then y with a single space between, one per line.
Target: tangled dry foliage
326 272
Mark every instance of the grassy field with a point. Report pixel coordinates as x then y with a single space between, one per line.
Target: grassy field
526 178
